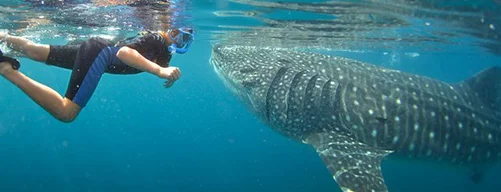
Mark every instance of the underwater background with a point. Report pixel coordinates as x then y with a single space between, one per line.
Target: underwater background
134 135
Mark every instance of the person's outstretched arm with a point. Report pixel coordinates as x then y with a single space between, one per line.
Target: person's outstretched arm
134 59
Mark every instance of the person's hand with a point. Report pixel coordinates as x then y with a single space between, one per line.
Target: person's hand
172 74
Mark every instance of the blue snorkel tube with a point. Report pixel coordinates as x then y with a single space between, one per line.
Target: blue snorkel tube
183 39
174 49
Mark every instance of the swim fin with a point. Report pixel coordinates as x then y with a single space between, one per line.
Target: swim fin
13 62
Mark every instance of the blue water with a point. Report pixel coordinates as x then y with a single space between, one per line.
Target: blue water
134 135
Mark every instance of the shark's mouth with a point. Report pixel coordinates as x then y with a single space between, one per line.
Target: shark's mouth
224 76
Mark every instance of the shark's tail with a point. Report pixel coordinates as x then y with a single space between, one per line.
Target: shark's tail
487 84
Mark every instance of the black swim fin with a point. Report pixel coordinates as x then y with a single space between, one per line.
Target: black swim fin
13 62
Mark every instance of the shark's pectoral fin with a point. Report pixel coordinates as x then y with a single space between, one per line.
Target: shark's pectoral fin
354 165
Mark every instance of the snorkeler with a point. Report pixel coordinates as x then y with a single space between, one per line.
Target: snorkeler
150 52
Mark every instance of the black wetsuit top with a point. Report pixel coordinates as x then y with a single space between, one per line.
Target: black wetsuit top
96 56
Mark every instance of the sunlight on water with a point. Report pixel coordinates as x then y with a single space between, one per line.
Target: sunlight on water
365 25
136 136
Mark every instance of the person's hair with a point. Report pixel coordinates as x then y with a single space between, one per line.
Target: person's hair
164 34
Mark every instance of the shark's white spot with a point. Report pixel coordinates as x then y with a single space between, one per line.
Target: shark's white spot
475 130
414 93
371 111
445 103
397 119
397 89
339 69
432 114
398 101
459 109
442 93
414 106
489 136
374 133
333 117
416 127
460 125
395 139
427 85
411 147
447 136
458 146
445 147
431 99
432 135
354 89
472 149
446 118
341 77
455 97
348 118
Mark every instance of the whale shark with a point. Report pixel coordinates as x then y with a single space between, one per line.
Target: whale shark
354 114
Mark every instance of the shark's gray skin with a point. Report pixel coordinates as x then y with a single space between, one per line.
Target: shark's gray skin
354 114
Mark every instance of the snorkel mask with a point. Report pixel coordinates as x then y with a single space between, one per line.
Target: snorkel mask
182 40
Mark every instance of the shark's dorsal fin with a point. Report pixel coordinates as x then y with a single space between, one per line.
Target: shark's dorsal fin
487 84
354 165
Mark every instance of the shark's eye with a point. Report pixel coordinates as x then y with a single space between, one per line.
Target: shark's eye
247 70
250 83
284 61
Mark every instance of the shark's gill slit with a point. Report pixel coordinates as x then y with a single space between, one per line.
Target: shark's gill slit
271 91
293 95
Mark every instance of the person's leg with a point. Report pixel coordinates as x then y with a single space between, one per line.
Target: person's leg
85 77
35 51
61 108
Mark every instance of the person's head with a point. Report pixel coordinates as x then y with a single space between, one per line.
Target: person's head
180 39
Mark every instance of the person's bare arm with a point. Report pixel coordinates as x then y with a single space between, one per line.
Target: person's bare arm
134 59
